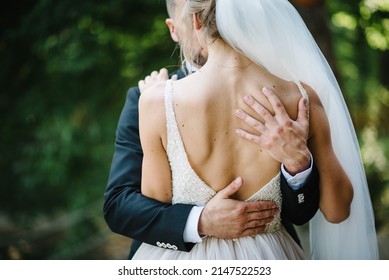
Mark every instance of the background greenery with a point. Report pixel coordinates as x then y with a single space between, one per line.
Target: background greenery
65 67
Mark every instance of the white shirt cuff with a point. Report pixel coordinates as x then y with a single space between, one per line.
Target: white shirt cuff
191 234
296 181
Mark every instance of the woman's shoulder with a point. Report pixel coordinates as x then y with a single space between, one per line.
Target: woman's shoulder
152 123
290 94
313 97
318 121
152 107
153 95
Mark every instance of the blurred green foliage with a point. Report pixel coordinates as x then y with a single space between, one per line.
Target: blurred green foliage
65 67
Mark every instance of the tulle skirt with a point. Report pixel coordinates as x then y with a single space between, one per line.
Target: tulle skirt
277 245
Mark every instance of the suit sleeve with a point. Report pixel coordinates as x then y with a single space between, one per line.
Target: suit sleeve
126 210
299 206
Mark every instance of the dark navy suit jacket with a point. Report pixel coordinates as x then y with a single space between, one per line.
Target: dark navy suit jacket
129 213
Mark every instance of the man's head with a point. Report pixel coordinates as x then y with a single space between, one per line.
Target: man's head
174 22
171 7
180 31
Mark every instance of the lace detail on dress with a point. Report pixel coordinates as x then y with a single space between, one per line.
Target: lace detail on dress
188 187
271 192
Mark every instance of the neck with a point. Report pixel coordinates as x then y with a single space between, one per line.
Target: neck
222 55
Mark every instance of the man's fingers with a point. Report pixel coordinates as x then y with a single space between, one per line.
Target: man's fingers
264 213
249 137
154 74
259 109
275 102
163 74
253 231
254 123
303 113
141 85
224 217
259 223
255 227
157 75
153 78
232 188
260 206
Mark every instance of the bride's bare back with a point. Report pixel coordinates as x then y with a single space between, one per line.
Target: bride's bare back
205 103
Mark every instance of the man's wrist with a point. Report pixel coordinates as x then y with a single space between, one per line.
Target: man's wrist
191 230
298 164
295 181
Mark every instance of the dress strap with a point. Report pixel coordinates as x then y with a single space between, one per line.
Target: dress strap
175 146
171 124
168 98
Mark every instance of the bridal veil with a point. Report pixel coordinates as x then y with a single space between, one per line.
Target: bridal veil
273 35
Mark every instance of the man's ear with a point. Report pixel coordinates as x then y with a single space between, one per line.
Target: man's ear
170 24
196 21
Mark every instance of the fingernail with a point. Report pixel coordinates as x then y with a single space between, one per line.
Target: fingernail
238 181
239 113
239 132
248 99
266 90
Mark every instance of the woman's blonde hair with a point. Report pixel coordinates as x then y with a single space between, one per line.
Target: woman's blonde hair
206 13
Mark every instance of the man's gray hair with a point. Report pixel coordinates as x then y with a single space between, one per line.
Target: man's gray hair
171 7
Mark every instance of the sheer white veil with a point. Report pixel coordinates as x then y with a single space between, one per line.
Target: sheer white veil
272 34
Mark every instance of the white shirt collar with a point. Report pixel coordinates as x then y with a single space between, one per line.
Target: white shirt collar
190 67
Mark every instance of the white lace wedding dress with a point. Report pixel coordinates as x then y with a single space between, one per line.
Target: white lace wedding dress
188 188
